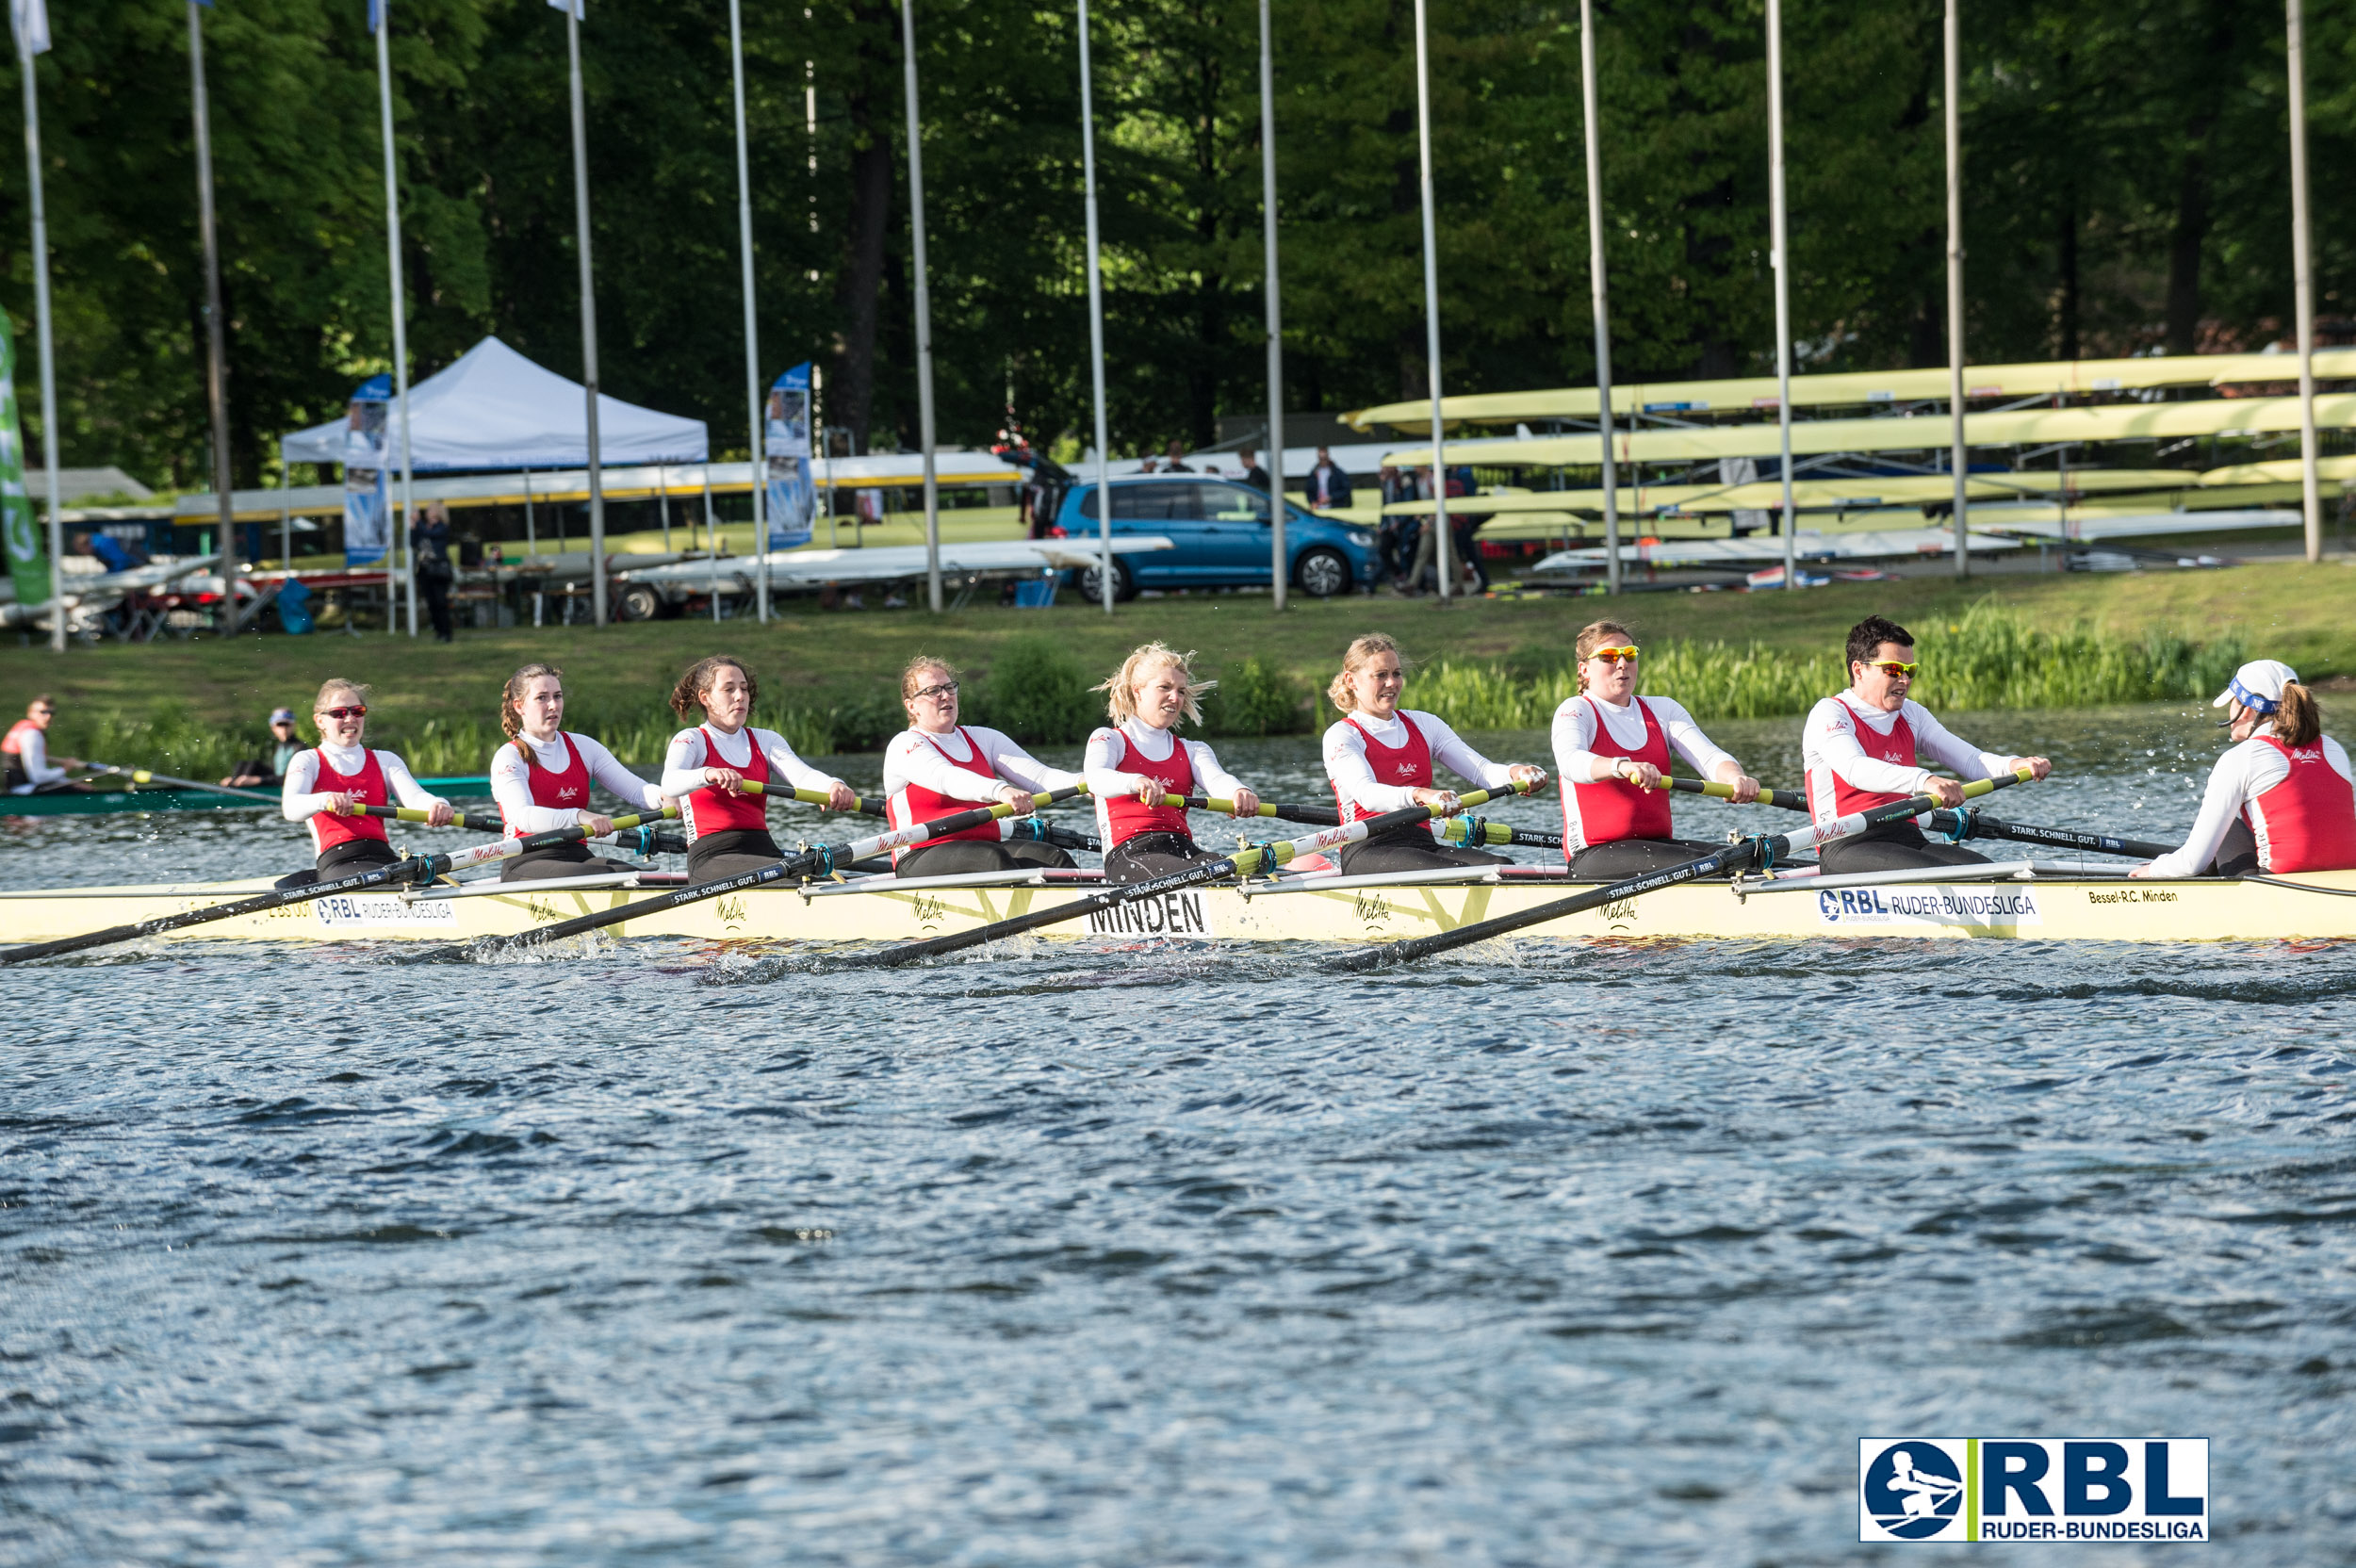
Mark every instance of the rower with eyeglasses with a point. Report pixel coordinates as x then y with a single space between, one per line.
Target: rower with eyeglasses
1864 748
937 767
1610 750
327 783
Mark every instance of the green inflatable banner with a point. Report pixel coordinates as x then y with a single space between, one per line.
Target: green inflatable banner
20 526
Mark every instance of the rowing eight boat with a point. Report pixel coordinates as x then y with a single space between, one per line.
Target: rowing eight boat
2065 900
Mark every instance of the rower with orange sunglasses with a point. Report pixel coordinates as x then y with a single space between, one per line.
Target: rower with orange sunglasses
1866 748
1611 750
326 785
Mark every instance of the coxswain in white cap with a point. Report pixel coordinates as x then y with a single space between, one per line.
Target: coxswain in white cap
2282 799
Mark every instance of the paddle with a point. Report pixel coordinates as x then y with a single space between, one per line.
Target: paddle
1244 862
422 869
1733 857
822 861
142 776
1957 825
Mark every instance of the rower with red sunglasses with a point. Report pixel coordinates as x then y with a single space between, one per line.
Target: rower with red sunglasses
325 784
1865 748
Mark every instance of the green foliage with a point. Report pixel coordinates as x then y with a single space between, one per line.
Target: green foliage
1253 698
1038 694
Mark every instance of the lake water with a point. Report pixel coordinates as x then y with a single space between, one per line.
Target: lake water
1157 1255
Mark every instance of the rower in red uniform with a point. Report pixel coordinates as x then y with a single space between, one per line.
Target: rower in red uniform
31 770
727 830
1143 757
2280 801
541 780
1610 751
325 783
1380 758
938 767
1866 748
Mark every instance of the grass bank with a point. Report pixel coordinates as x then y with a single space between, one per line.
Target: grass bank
828 679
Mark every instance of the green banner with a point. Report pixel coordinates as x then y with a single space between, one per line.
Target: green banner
20 526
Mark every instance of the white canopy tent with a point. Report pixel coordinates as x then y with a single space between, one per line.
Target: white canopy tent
494 409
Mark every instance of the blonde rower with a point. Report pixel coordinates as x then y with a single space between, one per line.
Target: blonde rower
938 767
1381 758
325 783
1132 766
728 829
541 778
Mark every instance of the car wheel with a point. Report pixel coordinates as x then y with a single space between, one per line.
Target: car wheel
1124 583
1322 573
638 602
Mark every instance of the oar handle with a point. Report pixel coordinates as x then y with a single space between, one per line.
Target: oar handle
809 797
1284 810
1790 799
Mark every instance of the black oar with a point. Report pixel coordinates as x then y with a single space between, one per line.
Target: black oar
142 776
1967 823
819 861
1733 857
422 869
1244 862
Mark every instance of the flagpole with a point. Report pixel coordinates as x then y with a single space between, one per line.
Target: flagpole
1279 562
383 9
588 318
924 316
217 368
752 328
1780 243
2302 283
1958 459
48 367
1096 323
1431 303
1602 297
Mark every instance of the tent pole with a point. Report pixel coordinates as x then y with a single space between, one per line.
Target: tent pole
400 312
825 451
1780 242
588 317
1096 323
48 355
1279 562
531 527
2303 286
1431 305
1959 458
217 362
923 315
752 328
712 531
663 507
1602 297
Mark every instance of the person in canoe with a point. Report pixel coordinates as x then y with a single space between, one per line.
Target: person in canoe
727 827
541 780
1141 757
30 769
326 784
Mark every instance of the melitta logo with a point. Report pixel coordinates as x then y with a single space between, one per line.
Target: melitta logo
2033 1489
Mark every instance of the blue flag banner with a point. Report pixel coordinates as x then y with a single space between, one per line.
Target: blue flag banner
368 518
376 16
31 20
579 8
793 499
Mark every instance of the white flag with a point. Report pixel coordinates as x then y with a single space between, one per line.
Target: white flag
32 25
579 8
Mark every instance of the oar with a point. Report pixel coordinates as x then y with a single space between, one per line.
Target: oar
1244 862
821 861
1480 830
1966 823
140 775
422 869
859 803
1733 857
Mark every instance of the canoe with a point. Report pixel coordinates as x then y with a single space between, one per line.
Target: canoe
75 802
2047 900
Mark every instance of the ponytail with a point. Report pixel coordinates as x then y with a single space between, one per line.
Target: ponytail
512 698
688 695
2299 722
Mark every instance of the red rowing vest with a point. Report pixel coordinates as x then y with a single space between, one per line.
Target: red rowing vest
1897 747
1126 816
915 803
1611 810
329 828
15 747
712 810
1407 766
2307 821
564 788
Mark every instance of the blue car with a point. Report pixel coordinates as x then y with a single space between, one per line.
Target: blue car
1222 530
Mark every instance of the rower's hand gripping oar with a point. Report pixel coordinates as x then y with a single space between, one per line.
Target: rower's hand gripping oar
421 869
1733 857
1244 862
819 861
1956 826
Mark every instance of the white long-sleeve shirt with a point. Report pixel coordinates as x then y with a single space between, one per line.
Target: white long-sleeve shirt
1834 746
1107 782
1352 775
511 783
2240 777
932 762
1575 758
300 799
683 764
32 755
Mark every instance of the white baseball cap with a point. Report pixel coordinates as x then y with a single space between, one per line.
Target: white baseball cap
2258 685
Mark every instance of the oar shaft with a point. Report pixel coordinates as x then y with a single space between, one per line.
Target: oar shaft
1283 810
142 776
859 803
1974 826
1790 799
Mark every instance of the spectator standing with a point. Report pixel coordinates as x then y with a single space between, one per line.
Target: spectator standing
1328 485
1254 474
429 546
